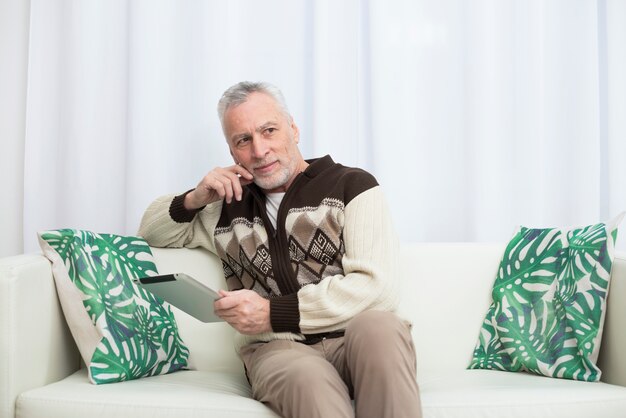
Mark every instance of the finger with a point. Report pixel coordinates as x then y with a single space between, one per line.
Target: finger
237 182
227 185
243 176
225 303
241 170
204 193
227 315
231 321
245 179
216 186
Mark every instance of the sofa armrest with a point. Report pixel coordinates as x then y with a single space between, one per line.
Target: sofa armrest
36 347
612 360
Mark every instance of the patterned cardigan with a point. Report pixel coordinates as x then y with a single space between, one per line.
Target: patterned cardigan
332 255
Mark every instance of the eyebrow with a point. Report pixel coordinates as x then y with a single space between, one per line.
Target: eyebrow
261 128
266 125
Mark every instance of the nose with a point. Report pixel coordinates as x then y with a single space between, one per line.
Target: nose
259 147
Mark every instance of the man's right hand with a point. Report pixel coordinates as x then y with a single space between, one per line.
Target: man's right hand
220 183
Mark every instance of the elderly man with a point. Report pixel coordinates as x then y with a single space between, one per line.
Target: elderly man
309 257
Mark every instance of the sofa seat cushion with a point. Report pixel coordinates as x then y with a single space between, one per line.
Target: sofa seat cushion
498 394
188 393
449 394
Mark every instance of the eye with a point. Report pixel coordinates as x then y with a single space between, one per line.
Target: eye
242 141
270 131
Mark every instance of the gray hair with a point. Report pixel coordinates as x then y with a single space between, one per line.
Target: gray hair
240 92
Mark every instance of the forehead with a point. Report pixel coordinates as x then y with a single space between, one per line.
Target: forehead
257 110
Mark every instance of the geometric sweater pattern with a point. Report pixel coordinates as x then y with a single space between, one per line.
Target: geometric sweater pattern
300 264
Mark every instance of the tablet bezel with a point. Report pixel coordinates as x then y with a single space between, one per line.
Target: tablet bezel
184 292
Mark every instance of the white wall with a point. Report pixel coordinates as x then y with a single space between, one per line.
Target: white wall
14 24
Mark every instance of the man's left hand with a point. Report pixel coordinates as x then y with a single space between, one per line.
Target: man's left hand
244 310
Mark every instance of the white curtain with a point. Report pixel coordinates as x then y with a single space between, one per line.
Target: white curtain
475 116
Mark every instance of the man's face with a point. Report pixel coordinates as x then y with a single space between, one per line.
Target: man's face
264 141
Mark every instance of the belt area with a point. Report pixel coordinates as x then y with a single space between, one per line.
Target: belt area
310 339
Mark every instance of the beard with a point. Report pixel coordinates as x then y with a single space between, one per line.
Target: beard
277 179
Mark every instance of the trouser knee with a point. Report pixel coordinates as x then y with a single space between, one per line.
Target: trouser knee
378 328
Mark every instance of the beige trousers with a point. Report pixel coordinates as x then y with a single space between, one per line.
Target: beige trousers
374 364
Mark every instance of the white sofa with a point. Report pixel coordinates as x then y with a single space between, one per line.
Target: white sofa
446 292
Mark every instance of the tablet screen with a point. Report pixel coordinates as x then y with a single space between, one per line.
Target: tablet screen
183 292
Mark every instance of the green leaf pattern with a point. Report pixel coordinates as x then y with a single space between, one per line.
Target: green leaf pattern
139 333
549 298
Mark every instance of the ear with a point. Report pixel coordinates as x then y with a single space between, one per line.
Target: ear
296 131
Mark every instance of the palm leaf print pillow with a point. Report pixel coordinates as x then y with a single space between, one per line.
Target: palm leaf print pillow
549 300
122 331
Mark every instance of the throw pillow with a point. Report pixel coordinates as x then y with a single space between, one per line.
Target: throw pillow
549 300
122 332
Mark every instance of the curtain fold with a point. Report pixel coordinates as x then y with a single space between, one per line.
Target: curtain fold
14 23
613 66
475 117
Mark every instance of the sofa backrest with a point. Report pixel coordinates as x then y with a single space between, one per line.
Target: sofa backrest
211 345
445 290
445 294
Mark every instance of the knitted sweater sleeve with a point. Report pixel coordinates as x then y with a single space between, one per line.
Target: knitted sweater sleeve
166 223
369 265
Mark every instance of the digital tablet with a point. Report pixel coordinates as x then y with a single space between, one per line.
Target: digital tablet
184 292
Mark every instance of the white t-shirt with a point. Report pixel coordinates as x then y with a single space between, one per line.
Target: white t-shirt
272 202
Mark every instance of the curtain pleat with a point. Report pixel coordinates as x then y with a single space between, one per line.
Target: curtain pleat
474 116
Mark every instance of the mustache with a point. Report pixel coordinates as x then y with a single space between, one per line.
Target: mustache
263 163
